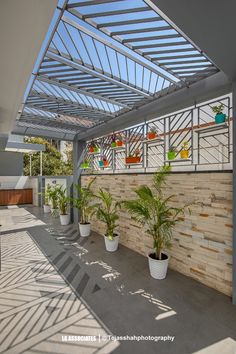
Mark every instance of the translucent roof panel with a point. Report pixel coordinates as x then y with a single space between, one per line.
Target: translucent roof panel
104 58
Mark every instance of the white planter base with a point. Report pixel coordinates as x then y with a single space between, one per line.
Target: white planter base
46 209
158 269
111 245
84 229
65 219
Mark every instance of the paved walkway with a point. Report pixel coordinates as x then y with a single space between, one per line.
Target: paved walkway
55 285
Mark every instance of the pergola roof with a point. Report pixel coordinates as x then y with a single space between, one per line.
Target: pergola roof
103 59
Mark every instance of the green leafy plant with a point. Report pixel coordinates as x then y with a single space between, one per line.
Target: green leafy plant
218 109
53 195
185 145
46 194
153 130
107 212
172 149
84 202
152 209
63 201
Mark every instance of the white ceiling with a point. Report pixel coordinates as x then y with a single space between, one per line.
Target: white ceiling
23 27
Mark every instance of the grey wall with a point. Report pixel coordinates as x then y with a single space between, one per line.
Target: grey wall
11 163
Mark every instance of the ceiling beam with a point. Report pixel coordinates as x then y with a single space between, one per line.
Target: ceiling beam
75 64
83 92
113 46
69 103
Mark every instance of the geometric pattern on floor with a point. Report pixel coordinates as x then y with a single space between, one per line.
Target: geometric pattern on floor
38 308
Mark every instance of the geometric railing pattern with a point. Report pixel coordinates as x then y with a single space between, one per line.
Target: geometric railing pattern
208 143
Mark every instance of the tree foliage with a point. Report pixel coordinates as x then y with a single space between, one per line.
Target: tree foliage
53 163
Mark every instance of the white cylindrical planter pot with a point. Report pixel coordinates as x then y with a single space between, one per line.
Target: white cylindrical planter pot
111 245
84 229
158 268
46 209
65 219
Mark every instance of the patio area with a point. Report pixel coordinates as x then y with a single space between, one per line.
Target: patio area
117 177
55 283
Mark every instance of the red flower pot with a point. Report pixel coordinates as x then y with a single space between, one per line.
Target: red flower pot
151 135
119 143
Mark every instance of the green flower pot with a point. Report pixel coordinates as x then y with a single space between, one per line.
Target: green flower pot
220 118
113 144
96 149
171 155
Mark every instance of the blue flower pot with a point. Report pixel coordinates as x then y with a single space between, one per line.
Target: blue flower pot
101 164
220 118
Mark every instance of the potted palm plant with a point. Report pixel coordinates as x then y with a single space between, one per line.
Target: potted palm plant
220 117
46 194
84 204
53 194
107 212
63 203
152 209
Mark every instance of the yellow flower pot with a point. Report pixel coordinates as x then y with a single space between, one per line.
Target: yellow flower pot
184 154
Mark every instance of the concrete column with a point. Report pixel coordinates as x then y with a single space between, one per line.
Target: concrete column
234 194
78 155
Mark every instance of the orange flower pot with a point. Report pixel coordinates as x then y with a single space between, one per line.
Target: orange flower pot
184 154
105 163
151 135
133 159
91 149
119 143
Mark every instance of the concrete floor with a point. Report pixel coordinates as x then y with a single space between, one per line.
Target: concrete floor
54 284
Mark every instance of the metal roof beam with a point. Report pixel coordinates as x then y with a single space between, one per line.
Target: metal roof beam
151 38
129 22
103 76
117 12
68 103
140 30
83 92
90 3
114 47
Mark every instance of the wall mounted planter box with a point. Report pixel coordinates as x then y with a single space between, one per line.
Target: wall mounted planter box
151 136
119 143
133 160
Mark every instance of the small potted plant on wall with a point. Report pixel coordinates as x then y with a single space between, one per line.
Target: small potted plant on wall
63 202
107 212
46 195
135 158
152 134
85 164
119 141
184 153
91 147
171 154
84 204
220 117
152 209
113 141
